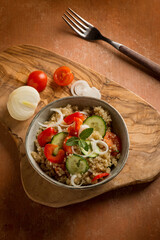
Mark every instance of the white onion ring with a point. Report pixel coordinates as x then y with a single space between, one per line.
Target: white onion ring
94 145
72 181
79 88
92 92
82 88
53 124
65 125
60 113
43 125
81 82
97 92
59 129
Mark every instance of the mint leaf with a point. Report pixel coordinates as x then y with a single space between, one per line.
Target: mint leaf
83 144
72 141
86 133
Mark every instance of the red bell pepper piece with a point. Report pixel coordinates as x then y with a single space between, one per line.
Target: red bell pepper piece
46 136
70 119
100 176
74 129
48 152
67 149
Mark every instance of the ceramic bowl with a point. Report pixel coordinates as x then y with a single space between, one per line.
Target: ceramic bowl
118 127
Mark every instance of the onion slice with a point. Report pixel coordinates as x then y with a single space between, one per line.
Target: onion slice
82 88
59 129
65 125
53 124
80 83
94 146
72 181
96 92
22 102
60 113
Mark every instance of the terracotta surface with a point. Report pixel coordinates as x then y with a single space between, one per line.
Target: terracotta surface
133 210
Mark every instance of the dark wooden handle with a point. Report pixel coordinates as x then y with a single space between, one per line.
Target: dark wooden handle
141 59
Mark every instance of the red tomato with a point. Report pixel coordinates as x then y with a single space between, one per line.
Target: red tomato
113 143
45 136
63 76
100 176
48 152
67 149
69 119
73 130
37 80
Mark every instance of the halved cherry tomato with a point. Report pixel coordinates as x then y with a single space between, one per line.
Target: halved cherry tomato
67 149
63 76
100 176
74 129
70 119
113 143
48 152
45 136
37 80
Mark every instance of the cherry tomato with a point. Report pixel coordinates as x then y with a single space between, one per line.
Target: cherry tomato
100 176
70 119
48 152
45 136
63 76
113 143
67 149
73 130
37 80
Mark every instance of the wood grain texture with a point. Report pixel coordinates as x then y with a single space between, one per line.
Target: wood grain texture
142 120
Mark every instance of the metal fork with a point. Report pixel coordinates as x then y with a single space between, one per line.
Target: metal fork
87 31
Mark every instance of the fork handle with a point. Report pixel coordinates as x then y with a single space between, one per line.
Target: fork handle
154 67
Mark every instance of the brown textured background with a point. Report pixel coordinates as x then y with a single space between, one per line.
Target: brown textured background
128 213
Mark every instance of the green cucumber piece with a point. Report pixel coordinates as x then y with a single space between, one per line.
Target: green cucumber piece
93 155
76 164
58 139
97 123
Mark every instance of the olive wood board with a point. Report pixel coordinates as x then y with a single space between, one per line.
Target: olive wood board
143 123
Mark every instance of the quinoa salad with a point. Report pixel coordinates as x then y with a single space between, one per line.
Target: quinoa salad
77 147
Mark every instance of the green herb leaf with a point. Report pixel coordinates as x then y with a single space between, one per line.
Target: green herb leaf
83 144
72 141
86 133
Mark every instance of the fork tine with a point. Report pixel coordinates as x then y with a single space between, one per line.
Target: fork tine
90 25
77 20
75 29
75 24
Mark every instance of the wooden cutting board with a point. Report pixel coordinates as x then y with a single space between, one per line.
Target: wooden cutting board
142 120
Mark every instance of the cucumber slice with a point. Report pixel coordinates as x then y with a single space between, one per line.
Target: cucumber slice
93 155
97 123
58 139
76 164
